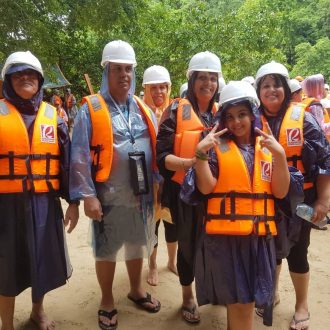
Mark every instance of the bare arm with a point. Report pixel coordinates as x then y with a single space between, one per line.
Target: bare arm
322 204
205 180
174 163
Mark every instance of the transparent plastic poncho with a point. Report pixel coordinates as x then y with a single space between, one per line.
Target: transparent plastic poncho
128 219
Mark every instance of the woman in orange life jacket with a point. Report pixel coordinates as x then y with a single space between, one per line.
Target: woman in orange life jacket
157 91
183 124
34 173
308 150
241 173
313 87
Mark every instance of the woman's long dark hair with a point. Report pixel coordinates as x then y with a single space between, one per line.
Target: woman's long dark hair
191 96
280 81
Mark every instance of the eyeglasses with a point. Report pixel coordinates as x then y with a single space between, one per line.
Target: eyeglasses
29 72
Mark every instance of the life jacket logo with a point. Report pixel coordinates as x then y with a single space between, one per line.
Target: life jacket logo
266 172
293 137
47 133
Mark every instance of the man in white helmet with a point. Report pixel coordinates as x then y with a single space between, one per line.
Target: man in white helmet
113 146
34 173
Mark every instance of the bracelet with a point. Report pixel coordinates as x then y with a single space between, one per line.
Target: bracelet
201 155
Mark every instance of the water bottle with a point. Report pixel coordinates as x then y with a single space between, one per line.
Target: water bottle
305 212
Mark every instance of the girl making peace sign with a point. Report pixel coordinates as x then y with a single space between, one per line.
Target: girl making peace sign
241 170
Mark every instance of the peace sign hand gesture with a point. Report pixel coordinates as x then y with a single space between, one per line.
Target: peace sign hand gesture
268 141
211 140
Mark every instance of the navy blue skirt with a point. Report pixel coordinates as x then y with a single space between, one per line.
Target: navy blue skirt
235 269
32 244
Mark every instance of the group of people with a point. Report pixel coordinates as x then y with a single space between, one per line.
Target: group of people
66 107
225 177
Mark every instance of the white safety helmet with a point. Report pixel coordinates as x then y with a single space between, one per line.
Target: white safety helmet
294 85
222 84
271 68
204 61
238 90
183 89
249 79
156 74
118 51
26 58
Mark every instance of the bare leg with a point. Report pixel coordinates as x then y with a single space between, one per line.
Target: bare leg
152 277
134 269
188 301
39 316
7 307
300 283
105 271
171 250
240 316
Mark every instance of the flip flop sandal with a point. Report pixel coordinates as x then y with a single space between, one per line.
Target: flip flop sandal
295 321
108 315
142 301
191 311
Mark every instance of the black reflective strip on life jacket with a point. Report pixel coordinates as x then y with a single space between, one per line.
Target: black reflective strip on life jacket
96 159
249 217
242 195
233 216
294 159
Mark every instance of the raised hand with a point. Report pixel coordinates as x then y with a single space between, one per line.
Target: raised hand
268 141
211 140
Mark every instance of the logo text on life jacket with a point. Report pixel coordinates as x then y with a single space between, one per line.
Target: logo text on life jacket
47 133
266 171
294 137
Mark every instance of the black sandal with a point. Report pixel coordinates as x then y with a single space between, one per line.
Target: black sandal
142 301
108 315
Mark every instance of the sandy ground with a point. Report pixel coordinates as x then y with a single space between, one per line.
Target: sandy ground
74 306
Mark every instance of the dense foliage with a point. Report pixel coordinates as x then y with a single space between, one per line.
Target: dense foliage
244 33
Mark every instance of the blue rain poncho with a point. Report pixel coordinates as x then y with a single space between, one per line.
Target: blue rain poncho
128 219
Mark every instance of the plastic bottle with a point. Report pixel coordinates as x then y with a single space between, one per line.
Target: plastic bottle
305 212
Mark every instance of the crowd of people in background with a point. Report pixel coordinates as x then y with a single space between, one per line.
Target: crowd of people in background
224 166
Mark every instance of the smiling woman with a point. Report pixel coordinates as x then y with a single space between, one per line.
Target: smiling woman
183 124
306 149
33 173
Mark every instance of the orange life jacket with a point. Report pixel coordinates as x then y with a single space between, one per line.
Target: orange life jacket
25 166
188 133
239 205
291 137
101 147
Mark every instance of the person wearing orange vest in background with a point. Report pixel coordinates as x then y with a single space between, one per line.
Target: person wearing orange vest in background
241 170
34 173
70 107
308 150
184 123
157 91
113 162
296 90
57 102
313 87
